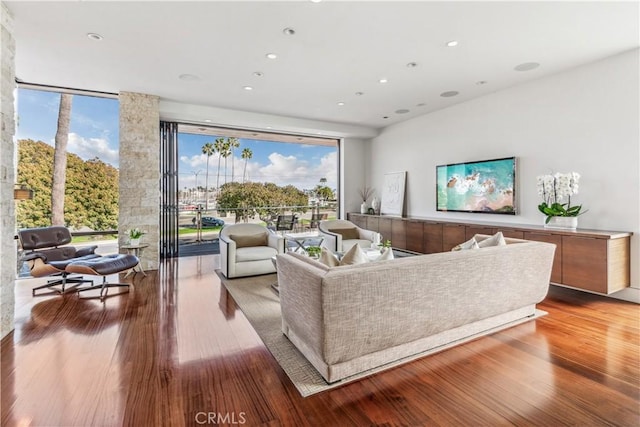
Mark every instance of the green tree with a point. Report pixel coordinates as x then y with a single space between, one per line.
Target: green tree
246 155
91 191
209 150
264 199
324 192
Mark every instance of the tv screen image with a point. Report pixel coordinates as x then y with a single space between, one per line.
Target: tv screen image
486 186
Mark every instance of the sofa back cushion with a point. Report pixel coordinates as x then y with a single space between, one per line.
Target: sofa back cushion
346 233
248 240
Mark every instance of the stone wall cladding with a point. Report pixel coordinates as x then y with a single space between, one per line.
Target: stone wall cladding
139 194
7 173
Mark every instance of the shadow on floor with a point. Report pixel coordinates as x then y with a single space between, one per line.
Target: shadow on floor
205 247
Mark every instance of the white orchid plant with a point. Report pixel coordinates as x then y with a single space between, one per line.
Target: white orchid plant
556 191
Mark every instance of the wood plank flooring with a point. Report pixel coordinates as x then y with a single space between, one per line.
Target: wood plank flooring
176 351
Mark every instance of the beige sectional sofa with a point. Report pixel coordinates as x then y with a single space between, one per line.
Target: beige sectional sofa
349 319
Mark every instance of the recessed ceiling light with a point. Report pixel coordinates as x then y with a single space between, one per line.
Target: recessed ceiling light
188 77
452 43
449 94
383 80
527 66
289 31
341 103
402 111
247 88
271 55
208 121
359 93
481 82
315 1
385 117
94 36
412 65
258 73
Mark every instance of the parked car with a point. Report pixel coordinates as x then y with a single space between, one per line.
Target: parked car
210 221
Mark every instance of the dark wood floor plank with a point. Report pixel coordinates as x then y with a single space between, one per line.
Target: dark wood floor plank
177 350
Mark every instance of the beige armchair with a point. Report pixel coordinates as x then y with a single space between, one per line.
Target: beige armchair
247 249
340 235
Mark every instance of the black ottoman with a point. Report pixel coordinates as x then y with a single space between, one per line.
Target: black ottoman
104 266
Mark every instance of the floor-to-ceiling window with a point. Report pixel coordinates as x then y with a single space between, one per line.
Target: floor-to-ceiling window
84 126
228 176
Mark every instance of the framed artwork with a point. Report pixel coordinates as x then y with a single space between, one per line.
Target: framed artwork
486 186
392 199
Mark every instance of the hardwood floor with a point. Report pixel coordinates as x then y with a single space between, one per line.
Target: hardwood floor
177 351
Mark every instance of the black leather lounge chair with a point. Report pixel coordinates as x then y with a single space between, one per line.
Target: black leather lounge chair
47 255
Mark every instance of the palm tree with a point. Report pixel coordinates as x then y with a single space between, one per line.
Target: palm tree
219 146
60 160
233 144
209 150
246 155
226 152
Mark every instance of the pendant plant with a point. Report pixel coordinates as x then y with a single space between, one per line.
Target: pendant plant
555 189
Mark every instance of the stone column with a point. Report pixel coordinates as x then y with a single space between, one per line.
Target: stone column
140 172
7 173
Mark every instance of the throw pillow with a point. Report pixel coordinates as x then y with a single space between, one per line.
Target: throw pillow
247 240
469 244
347 233
386 255
329 259
354 256
495 240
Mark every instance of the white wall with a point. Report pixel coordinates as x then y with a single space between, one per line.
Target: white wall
353 153
584 120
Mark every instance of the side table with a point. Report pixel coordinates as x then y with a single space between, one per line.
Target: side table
137 251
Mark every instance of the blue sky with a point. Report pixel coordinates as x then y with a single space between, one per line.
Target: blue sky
94 133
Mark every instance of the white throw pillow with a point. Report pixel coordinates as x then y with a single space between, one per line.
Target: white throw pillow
354 256
387 254
469 244
495 240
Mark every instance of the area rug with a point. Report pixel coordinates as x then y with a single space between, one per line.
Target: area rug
261 306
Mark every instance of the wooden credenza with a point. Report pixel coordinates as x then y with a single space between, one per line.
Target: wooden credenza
591 260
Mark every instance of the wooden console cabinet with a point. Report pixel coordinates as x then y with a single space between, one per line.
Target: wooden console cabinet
591 260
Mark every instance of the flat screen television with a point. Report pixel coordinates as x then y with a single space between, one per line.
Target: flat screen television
486 186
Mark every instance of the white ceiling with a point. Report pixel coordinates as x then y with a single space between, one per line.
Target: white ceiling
339 48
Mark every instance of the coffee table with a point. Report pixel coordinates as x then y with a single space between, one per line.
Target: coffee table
304 240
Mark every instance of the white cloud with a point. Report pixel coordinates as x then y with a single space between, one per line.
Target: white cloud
285 170
200 161
89 148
